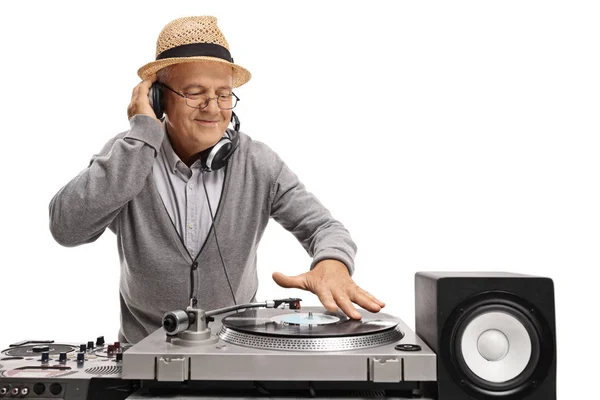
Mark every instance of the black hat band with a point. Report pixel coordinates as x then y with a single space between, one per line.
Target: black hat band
195 50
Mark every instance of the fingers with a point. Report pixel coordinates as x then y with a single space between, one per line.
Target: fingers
363 299
348 294
147 83
296 282
327 300
380 303
140 102
343 301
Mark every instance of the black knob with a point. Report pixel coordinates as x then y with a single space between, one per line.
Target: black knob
45 357
80 358
40 349
62 357
119 357
82 347
90 345
55 388
39 388
100 341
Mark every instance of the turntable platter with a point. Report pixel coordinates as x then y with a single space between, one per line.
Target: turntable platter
301 323
313 329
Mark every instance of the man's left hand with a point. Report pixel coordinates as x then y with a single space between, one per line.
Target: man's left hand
331 282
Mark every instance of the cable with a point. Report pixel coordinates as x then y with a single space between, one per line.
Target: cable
216 239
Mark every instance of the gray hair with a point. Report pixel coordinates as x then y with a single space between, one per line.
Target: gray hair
163 74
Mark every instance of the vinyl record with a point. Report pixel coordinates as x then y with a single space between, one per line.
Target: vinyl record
37 349
315 322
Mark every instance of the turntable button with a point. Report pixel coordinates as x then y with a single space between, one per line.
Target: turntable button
407 347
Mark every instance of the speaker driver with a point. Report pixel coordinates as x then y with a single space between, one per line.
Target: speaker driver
494 344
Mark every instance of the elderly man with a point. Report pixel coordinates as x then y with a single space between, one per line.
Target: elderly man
189 199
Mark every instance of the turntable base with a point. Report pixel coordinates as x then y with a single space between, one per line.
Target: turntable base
381 360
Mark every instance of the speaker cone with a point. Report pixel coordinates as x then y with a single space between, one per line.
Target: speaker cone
493 342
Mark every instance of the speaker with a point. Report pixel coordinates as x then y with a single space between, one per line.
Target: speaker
493 333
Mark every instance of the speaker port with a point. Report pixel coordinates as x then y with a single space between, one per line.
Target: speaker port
55 388
39 388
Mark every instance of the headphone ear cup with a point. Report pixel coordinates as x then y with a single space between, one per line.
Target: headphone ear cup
216 157
235 121
156 100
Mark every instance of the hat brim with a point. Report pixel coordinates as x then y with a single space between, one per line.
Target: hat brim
240 74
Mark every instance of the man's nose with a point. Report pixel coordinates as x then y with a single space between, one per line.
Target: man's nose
212 106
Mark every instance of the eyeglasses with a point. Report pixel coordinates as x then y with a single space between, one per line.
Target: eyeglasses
201 100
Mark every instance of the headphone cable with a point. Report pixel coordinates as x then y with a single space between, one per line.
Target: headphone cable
214 227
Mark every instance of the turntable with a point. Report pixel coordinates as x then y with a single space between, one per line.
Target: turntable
281 344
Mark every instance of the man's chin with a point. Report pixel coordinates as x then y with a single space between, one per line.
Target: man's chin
207 142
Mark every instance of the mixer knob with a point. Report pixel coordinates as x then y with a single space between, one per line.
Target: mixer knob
100 341
80 358
90 345
40 349
117 346
111 349
45 357
119 357
82 348
62 357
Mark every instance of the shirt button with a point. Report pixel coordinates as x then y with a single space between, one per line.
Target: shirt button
191 226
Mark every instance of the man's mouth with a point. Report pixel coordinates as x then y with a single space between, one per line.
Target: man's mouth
207 122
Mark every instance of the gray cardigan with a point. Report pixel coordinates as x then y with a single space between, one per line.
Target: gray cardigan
158 274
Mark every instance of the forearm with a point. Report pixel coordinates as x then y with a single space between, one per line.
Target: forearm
301 213
82 209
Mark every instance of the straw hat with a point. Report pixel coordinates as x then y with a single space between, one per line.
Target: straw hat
190 39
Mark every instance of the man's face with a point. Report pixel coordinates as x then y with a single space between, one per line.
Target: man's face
193 129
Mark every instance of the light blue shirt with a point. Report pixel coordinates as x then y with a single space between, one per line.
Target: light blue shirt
183 196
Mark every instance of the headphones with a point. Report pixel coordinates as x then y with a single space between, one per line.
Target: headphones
214 157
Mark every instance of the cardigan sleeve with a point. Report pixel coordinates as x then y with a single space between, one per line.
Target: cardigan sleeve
301 213
82 210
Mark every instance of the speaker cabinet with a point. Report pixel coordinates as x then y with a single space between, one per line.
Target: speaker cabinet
494 334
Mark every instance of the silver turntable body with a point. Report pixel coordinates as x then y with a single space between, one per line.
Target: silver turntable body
270 345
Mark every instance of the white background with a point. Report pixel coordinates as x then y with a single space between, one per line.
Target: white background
457 135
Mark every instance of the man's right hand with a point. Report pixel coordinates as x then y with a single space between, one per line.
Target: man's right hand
140 102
